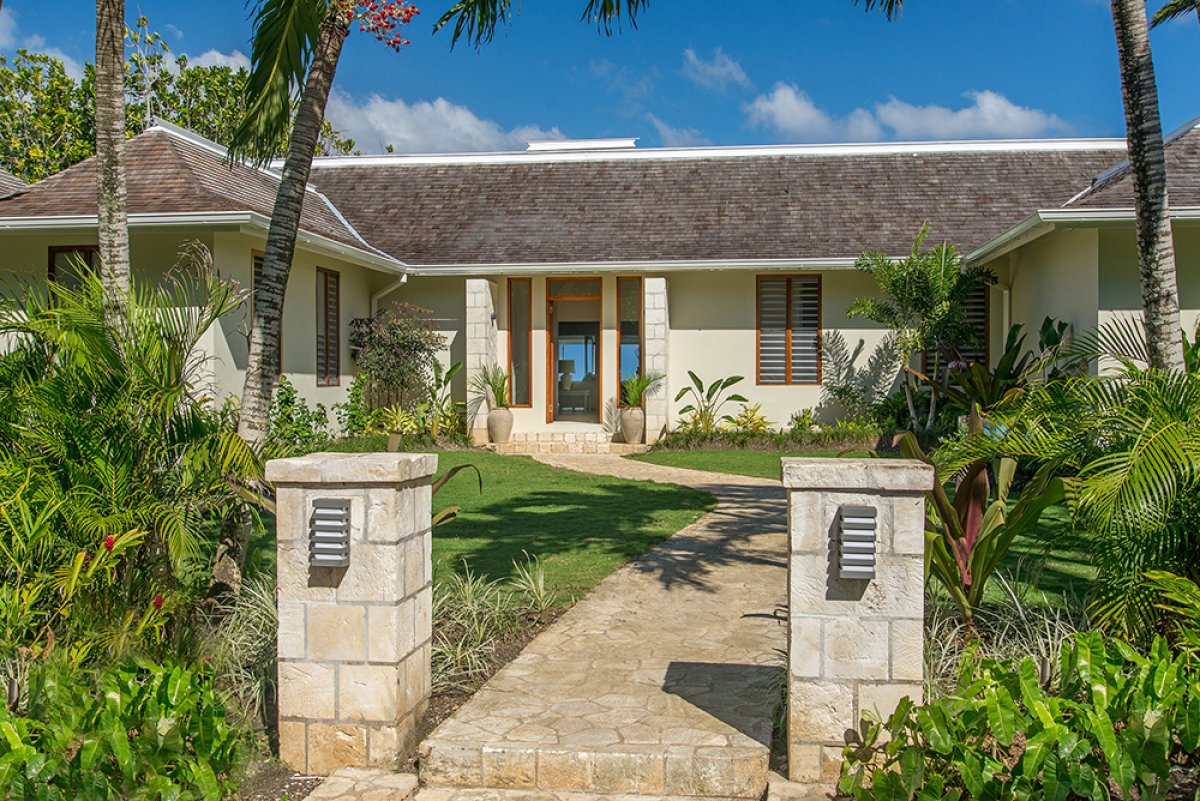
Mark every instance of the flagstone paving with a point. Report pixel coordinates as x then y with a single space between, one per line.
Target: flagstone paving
661 682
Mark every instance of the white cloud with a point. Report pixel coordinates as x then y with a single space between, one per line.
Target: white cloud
632 86
237 60
174 30
791 113
677 137
8 28
424 127
38 45
717 74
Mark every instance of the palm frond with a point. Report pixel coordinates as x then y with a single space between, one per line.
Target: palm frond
476 21
1174 10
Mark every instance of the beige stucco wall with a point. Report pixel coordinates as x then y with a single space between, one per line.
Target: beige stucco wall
1055 276
1120 292
23 257
712 319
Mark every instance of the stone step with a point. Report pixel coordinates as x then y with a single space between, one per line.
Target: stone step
567 446
366 784
726 772
486 794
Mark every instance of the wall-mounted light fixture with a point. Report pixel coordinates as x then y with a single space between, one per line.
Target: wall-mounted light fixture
856 547
329 533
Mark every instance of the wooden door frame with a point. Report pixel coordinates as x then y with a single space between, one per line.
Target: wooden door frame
551 378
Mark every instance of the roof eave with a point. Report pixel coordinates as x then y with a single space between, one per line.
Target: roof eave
634 266
252 221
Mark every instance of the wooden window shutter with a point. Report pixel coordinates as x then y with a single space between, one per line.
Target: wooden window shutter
789 330
805 299
329 366
772 330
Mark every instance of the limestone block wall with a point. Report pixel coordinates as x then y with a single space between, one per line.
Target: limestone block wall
853 645
354 642
656 333
482 336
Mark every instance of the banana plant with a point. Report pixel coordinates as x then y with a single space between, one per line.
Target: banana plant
967 537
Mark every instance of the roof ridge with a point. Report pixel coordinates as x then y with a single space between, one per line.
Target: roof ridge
1115 172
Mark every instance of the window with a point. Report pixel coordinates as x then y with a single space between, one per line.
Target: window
329 366
976 316
520 341
66 263
629 314
789 329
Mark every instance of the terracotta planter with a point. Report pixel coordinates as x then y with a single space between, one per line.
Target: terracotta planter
394 442
633 425
499 425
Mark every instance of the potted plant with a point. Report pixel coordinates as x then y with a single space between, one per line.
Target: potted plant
634 391
492 384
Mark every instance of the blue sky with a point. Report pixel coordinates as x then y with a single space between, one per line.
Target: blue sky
755 72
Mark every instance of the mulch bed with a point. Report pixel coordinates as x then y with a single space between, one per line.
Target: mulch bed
274 782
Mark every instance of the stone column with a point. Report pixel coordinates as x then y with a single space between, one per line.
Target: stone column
482 333
656 331
853 644
354 641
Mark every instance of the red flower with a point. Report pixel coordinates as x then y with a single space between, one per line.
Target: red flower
109 542
158 601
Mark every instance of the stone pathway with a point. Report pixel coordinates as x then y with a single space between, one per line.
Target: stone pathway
661 682
365 784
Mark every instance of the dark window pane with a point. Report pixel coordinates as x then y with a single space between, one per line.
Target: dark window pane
520 326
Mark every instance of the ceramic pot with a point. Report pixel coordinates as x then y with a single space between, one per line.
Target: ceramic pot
499 425
633 425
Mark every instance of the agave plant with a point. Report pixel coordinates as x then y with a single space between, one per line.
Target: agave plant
491 384
967 537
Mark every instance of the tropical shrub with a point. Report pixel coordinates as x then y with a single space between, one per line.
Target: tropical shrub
803 422
355 416
292 426
491 386
1114 721
398 348
977 387
138 731
397 420
439 414
921 298
636 388
967 538
702 414
751 420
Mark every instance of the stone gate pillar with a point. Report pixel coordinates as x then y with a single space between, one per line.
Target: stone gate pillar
482 348
355 606
856 610
656 332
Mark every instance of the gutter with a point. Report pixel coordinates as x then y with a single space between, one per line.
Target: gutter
640 266
248 221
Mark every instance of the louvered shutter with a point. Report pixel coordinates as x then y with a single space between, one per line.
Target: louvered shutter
772 330
806 330
975 313
328 342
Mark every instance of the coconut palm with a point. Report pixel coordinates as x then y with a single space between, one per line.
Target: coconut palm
113 230
477 20
1147 160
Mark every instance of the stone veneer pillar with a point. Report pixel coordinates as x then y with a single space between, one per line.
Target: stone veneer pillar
482 333
354 642
656 331
853 645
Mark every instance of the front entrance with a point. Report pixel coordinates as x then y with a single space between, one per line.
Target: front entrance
574 385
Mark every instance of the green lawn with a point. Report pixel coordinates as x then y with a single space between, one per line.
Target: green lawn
764 464
582 527
1048 565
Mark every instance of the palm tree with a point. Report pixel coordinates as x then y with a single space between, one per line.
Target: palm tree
1176 9
1147 160
295 41
112 222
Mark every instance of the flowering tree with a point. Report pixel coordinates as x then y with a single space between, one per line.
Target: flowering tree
296 48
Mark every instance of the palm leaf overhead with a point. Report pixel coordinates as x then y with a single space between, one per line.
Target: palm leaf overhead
285 35
477 20
892 8
1174 10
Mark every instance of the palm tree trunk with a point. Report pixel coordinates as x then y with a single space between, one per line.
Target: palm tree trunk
262 366
1147 158
112 223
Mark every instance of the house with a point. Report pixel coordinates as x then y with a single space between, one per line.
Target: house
10 184
575 264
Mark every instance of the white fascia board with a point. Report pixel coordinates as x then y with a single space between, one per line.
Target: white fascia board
627 267
247 221
1043 222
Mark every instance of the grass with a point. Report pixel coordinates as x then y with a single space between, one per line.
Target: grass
581 527
762 464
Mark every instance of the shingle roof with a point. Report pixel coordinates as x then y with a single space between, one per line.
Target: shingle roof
10 183
171 172
1114 188
539 210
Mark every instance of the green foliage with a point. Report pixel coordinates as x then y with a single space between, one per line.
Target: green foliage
136 731
46 118
802 422
240 645
355 416
921 298
398 348
1180 598
292 427
109 455
976 386
397 420
440 415
966 538
1115 723
849 432
850 388
702 414
477 20
751 420
636 388
491 385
